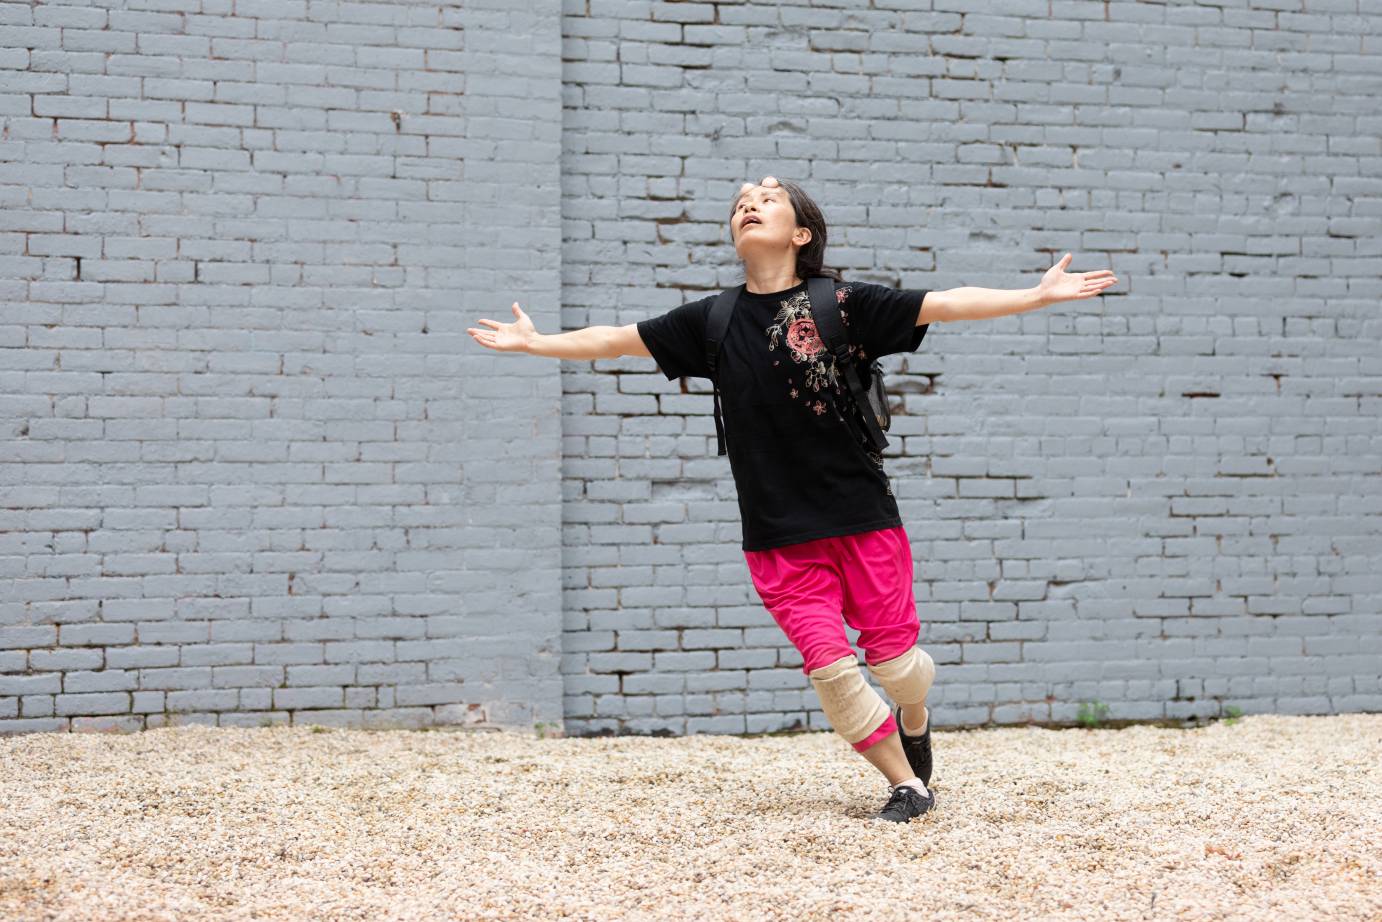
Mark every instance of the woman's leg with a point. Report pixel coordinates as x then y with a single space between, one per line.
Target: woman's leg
887 756
800 586
880 605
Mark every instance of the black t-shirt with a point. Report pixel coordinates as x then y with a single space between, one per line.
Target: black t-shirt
801 471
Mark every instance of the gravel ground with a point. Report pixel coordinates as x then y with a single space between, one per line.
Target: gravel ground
1270 817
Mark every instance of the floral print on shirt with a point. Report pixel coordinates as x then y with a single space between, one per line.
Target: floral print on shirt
794 328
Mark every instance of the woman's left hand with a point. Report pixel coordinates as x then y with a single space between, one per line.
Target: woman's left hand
1059 285
769 182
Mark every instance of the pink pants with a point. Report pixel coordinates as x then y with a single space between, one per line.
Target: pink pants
866 577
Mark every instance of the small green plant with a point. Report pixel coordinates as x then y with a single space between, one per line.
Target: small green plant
318 728
542 729
1091 713
1232 713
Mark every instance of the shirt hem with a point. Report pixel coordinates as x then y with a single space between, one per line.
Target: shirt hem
834 531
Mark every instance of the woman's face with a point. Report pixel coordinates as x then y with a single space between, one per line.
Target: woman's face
764 220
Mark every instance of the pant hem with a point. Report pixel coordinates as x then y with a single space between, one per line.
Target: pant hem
887 726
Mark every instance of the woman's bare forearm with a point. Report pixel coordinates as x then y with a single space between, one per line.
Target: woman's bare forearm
972 303
589 343
1056 285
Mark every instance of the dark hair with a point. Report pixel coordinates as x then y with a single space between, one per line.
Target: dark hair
810 258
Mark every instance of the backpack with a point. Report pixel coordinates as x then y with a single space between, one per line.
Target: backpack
868 393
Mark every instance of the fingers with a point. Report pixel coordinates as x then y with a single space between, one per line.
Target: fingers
769 182
495 326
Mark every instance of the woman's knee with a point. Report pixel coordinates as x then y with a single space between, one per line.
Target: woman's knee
854 709
907 677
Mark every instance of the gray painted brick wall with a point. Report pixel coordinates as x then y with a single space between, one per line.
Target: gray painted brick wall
1166 499
254 470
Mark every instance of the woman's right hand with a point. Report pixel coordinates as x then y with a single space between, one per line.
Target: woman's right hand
506 337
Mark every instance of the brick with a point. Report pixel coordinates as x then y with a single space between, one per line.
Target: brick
96 703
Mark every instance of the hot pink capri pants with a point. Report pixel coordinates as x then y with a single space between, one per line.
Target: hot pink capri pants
866 577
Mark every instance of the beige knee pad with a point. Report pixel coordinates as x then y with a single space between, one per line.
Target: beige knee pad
906 678
854 709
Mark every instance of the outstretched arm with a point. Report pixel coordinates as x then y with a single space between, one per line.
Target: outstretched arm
597 342
1056 285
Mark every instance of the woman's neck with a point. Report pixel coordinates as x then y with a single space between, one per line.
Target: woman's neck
766 280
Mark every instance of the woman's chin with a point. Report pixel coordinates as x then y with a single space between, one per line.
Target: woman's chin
750 248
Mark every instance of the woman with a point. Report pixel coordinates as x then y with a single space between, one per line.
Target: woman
822 534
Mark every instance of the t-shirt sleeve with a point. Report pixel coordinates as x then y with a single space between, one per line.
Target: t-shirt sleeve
883 320
677 339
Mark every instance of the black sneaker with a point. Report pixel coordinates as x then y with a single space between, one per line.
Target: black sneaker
918 748
905 803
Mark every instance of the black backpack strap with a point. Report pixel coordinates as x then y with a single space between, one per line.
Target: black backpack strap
825 312
715 326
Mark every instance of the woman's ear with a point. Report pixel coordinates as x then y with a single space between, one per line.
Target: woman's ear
802 236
